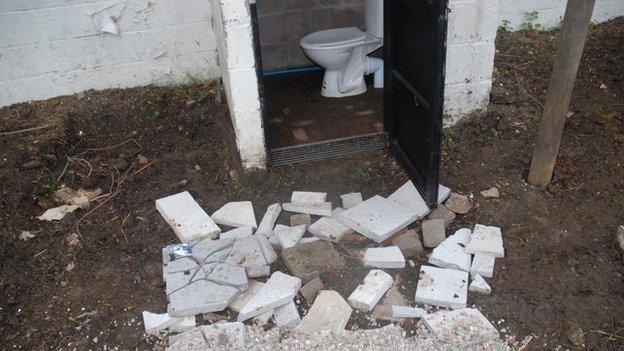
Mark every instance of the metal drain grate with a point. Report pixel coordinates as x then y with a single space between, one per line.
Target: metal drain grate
327 149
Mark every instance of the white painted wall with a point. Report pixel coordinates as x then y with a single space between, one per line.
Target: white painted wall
57 47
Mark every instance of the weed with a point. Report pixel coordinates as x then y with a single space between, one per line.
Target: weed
504 24
203 97
49 185
593 24
530 21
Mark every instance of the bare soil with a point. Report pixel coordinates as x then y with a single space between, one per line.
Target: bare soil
562 267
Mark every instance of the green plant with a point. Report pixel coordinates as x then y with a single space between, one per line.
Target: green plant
49 185
530 21
504 24
593 24
203 97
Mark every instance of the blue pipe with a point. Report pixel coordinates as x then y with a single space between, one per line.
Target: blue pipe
280 72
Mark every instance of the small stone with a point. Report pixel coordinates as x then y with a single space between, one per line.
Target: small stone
238 233
228 275
469 321
73 239
236 214
486 239
311 289
350 200
411 263
483 265
384 257
433 232
26 235
200 296
308 197
279 289
299 219
409 243
491 192
576 335
57 213
367 295
197 168
300 134
408 196
289 236
442 287
444 214
451 254
408 312
479 285
328 312
187 219
319 209
458 203
307 261
287 315
268 221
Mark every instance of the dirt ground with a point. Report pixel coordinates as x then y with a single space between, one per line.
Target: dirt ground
562 267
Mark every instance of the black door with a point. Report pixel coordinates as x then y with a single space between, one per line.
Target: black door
414 57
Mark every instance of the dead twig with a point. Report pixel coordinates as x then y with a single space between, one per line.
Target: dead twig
77 225
27 130
114 146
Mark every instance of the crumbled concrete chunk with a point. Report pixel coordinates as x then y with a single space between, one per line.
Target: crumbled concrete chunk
287 315
328 312
228 275
408 196
491 192
311 289
483 265
236 214
366 296
479 285
444 214
299 219
451 324
268 221
258 271
408 312
208 250
383 309
442 287
433 232
218 336
409 244
289 236
268 251
377 218
620 237
307 261
253 288
351 199
458 203
279 289
486 239
238 233
329 228
384 257
155 323
187 219
319 209
451 254
307 197
246 252
57 213
200 296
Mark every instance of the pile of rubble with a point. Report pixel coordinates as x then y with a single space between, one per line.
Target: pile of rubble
210 270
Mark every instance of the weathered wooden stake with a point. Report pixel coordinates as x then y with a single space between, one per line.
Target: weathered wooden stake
569 51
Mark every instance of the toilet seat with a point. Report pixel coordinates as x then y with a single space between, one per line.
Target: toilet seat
332 38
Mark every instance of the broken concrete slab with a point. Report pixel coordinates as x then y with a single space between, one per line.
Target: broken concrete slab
238 233
433 232
187 219
208 250
384 257
258 271
191 340
328 312
619 237
155 323
218 336
287 315
409 244
383 310
490 193
183 324
308 240
225 274
444 214
279 289
366 296
289 236
253 288
377 218
408 196
445 324
179 265
319 209
308 197
178 280
451 254
236 214
350 200
483 265
329 228
246 252
311 289
200 296
268 251
267 223
486 239
479 285
458 203
442 287
299 219
408 312
307 261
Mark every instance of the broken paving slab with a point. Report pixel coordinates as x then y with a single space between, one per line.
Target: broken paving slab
253 288
307 261
479 285
178 280
408 312
179 265
384 257
328 312
483 265
451 253
155 323
366 296
258 271
187 219
200 296
409 244
433 232
236 214
279 289
218 336
329 228
268 221
445 324
246 252
383 310
408 196
377 218
209 250
486 239
238 233
308 197
310 290
289 236
319 209
287 315
442 287
225 274
299 219
351 200
267 249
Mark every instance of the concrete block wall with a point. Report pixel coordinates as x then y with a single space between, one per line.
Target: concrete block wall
282 24
57 47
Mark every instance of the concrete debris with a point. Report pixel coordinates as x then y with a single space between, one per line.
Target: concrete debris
246 252
57 213
319 209
307 197
458 203
383 310
408 312
289 236
239 302
576 335
451 254
236 214
350 200
307 261
377 218
225 274
329 228
479 285
491 192
219 336
156 323
258 271
433 232
308 240
444 214
620 237
311 289
445 324
200 296
408 196
287 315
486 239
267 249
409 244
178 280
188 221
81 197
366 296
179 265
26 235
279 289
384 257
268 221
238 233
329 312
442 287
299 219
483 265
208 250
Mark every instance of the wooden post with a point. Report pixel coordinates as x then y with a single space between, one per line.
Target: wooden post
569 51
